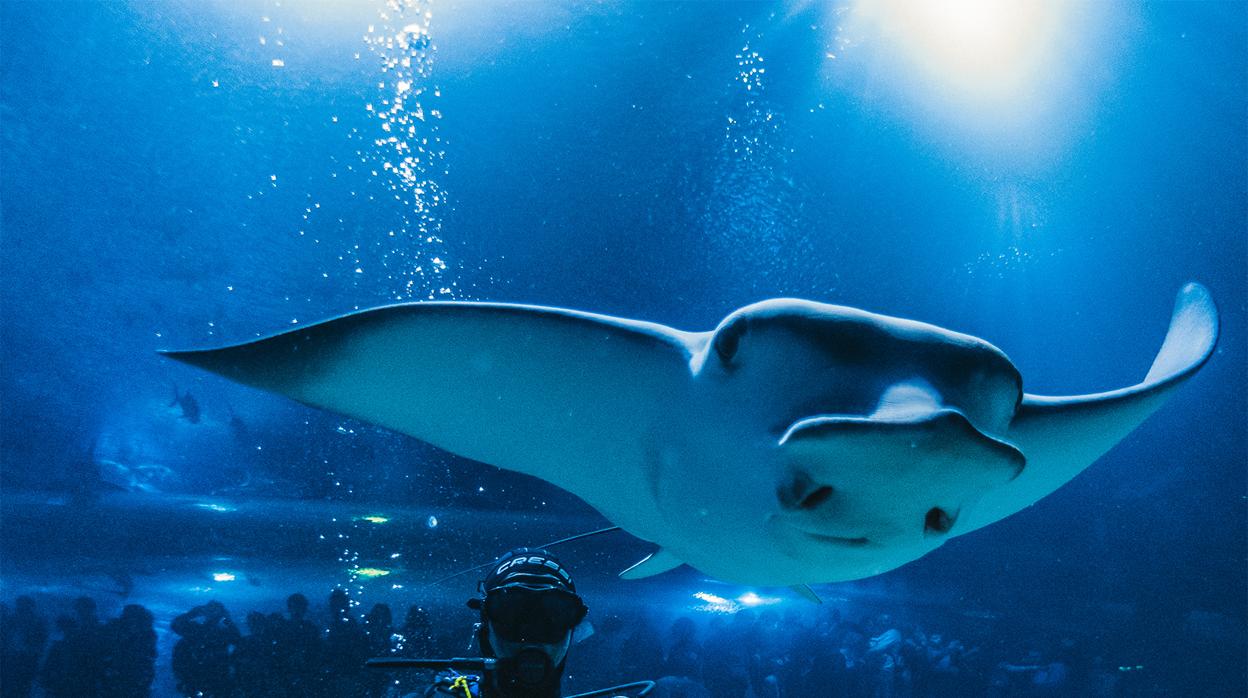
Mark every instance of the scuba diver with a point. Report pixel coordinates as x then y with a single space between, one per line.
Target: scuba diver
529 612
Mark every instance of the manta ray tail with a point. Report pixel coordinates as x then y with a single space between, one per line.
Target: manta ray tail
1063 435
804 591
658 562
546 546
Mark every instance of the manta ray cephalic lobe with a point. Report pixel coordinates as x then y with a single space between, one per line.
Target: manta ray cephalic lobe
795 443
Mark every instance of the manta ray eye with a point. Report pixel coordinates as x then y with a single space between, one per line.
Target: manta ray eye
728 340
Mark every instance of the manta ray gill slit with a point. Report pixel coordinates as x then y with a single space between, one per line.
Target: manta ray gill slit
802 493
817 497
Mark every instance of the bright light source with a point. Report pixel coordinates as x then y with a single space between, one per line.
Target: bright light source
986 48
371 572
715 604
751 600
222 577
710 598
374 519
211 506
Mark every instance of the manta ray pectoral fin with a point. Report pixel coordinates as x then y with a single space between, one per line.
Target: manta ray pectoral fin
804 591
541 391
1063 435
658 562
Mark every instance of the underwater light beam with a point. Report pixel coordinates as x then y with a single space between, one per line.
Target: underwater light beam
750 600
985 48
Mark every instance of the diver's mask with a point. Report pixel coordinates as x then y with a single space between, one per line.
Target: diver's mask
529 629
525 613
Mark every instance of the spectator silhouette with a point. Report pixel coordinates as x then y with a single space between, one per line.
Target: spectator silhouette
129 657
417 633
725 659
201 658
75 664
346 648
825 673
684 654
58 677
87 635
413 639
255 659
299 648
641 652
25 633
766 639
378 628
380 635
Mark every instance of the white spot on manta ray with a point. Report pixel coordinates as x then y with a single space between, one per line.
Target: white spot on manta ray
796 443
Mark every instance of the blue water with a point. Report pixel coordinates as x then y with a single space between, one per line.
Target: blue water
181 174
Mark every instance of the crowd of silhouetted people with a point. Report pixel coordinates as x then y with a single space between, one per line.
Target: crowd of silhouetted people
89 658
278 655
769 654
754 653
290 655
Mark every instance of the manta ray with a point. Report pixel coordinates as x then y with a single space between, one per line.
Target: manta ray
797 442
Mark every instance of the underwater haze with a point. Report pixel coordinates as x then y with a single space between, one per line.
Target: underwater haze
178 174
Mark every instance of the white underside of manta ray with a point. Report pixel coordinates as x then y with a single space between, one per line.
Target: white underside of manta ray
796 443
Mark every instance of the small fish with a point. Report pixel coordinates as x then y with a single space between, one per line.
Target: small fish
188 404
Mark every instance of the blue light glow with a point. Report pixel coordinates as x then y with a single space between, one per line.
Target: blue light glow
219 508
750 599
985 78
978 48
715 604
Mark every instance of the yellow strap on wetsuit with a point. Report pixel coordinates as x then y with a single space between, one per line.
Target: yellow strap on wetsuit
461 682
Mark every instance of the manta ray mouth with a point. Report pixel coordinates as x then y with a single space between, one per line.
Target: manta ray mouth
793 532
838 540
